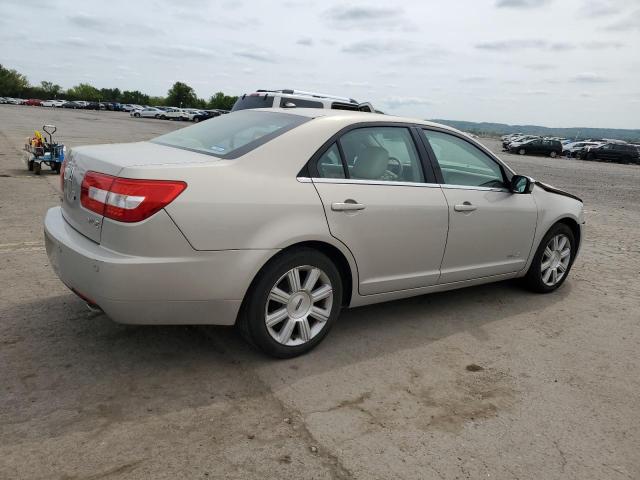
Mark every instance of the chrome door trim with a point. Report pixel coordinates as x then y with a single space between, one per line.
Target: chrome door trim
354 181
469 187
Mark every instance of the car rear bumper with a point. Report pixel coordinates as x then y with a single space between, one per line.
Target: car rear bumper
203 288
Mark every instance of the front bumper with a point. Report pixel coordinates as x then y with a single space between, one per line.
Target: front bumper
202 288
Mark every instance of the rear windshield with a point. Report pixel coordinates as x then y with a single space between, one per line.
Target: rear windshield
232 135
253 101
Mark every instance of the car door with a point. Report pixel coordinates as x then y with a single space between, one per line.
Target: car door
491 230
384 206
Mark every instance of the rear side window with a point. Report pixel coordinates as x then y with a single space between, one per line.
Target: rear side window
253 101
330 163
232 135
288 102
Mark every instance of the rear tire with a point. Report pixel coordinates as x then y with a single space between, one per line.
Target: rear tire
30 165
550 256
137 115
522 151
37 167
292 303
553 154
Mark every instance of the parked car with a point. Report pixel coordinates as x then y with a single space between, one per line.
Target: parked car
82 103
174 114
338 209
611 152
204 115
570 149
15 101
33 102
71 104
515 141
297 99
51 103
92 106
147 112
537 146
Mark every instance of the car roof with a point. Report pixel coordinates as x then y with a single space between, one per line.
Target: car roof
354 116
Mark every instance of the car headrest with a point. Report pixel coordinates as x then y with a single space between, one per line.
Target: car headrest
372 162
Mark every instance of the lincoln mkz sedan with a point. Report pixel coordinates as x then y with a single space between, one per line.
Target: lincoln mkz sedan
274 220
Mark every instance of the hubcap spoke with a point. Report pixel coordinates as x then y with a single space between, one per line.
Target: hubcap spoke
545 265
546 275
319 314
279 295
565 253
555 275
287 330
321 293
562 267
548 253
276 317
294 279
305 329
311 279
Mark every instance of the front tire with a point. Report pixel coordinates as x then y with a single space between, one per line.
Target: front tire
553 154
292 304
553 260
522 151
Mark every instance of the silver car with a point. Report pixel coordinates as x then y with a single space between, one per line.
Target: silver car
274 220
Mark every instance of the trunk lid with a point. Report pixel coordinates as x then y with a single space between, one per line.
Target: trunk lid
111 160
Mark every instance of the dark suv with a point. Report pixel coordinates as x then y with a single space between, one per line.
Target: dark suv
538 146
611 152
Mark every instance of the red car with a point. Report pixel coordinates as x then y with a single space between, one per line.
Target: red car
34 102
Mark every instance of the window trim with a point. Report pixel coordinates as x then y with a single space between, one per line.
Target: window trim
427 170
507 173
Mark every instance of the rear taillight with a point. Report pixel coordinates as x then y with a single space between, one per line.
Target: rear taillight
127 199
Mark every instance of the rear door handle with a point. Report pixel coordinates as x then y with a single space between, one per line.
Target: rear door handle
465 207
347 206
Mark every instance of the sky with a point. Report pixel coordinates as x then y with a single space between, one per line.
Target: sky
558 63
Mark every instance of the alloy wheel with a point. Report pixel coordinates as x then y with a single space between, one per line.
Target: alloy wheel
555 260
299 305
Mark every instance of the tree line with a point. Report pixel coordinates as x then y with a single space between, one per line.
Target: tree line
15 84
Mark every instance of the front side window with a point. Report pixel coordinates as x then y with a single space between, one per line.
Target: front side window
232 135
462 163
381 153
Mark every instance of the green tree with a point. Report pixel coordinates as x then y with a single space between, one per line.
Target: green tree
50 89
221 101
84 91
182 95
110 94
135 97
12 83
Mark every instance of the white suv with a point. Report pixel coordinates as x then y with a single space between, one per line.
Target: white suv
298 99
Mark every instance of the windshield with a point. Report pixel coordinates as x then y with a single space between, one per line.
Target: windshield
232 135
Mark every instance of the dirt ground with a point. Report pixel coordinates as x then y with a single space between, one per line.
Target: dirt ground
487 382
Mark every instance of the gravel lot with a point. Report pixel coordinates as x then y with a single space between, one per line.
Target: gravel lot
391 393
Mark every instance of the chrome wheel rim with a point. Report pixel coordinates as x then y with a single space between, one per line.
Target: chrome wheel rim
555 260
298 305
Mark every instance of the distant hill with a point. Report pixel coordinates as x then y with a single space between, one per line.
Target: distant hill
489 129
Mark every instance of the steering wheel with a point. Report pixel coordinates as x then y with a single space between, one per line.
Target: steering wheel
395 166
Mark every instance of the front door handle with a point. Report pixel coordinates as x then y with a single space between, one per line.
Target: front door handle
347 206
465 207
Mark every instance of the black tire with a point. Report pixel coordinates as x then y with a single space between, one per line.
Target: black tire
251 320
553 154
30 165
522 151
56 168
533 279
196 119
137 115
37 167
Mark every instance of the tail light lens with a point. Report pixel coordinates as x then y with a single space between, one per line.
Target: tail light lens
127 199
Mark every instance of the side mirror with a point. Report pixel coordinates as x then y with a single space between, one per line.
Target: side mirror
522 184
